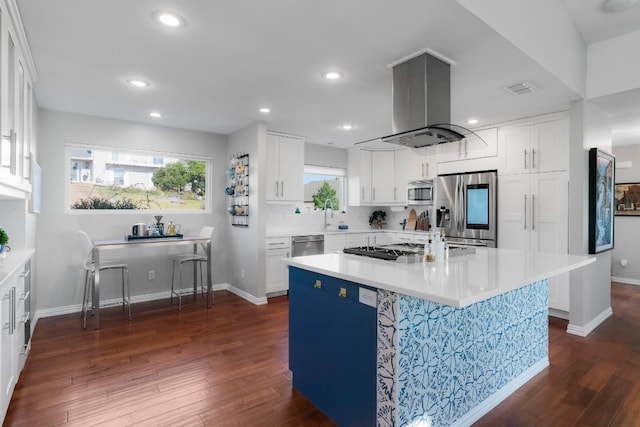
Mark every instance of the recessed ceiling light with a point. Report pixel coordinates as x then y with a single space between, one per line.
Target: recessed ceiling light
155 114
265 110
169 19
138 83
347 126
618 5
332 75
473 121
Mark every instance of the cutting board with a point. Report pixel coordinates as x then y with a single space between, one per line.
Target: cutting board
411 222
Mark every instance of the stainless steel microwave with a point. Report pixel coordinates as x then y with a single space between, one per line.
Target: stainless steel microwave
420 192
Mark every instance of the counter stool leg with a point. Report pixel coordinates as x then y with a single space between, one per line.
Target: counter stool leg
128 293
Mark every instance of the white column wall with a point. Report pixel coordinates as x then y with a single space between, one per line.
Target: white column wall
590 294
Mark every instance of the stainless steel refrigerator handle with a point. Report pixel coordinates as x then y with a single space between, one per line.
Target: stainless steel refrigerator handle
533 212
463 211
525 211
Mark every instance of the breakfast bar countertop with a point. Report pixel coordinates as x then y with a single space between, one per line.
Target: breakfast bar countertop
458 281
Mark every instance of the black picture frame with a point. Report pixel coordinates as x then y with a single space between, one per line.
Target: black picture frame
602 169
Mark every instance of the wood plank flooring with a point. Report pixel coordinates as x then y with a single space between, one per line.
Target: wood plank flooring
228 366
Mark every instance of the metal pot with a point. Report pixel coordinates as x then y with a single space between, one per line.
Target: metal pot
139 229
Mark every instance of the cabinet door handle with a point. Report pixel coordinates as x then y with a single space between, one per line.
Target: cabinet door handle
373 196
525 211
395 193
466 152
422 164
362 198
342 293
281 188
525 159
426 167
533 212
317 285
276 188
533 158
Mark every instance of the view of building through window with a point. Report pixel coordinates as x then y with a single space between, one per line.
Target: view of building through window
105 179
324 187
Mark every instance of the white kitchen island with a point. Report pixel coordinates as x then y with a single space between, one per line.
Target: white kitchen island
376 342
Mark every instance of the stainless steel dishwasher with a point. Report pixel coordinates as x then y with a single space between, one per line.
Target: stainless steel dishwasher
307 245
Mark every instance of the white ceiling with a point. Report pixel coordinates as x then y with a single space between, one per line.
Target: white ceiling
236 56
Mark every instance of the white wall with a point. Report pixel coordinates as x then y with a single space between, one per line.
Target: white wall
245 246
612 69
59 272
590 295
626 229
558 48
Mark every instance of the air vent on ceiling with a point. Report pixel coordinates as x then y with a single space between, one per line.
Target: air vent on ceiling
520 88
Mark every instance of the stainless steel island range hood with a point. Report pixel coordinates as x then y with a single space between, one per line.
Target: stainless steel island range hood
422 104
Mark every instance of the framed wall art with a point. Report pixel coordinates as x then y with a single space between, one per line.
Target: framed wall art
627 199
602 166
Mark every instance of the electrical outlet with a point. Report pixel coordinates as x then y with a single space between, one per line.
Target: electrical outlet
242 273
152 275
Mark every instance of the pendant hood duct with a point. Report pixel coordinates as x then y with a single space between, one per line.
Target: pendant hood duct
422 104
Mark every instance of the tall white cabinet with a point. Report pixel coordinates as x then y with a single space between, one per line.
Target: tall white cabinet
533 191
285 168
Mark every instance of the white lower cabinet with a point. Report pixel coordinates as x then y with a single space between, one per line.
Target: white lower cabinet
533 212
277 279
7 344
13 324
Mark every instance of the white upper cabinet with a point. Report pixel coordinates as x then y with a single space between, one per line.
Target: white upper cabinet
16 112
373 178
421 163
470 148
383 177
541 147
285 168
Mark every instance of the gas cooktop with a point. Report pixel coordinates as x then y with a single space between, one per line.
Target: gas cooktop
399 253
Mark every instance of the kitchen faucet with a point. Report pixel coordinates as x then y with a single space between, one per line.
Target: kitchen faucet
326 224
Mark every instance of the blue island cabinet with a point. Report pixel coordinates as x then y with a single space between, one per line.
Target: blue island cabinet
332 345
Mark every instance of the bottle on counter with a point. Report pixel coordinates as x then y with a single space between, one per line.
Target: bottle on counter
428 251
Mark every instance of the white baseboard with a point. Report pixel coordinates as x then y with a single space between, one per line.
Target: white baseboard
625 280
76 308
494 400
559 313
583 331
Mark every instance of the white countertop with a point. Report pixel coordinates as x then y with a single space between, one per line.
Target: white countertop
459 281
13 261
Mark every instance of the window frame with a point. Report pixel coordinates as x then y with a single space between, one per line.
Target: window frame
208 206
330 171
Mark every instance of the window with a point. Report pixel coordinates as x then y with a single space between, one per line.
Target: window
324 186
101 178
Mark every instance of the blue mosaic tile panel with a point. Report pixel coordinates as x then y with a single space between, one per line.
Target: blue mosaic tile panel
448 360
387 358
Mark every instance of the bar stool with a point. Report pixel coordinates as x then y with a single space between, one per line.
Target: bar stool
90 274
198 258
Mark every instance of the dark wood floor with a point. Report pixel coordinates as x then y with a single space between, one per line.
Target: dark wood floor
227 366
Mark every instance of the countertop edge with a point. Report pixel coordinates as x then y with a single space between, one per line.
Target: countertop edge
577 262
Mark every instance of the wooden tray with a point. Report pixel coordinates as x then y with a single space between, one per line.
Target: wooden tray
164 236
411 222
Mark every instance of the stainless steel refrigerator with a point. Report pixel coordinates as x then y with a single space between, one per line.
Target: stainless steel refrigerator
466 208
